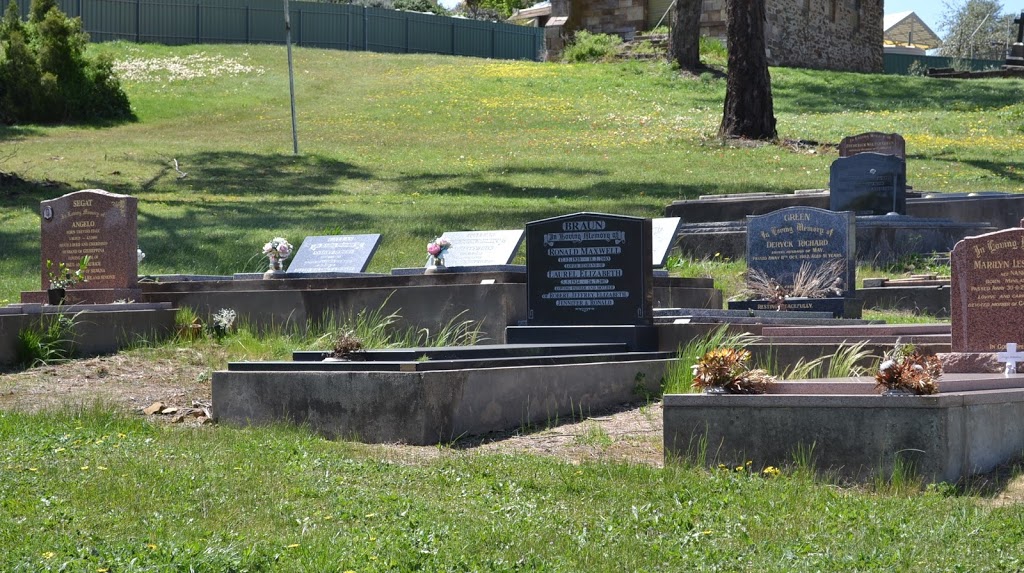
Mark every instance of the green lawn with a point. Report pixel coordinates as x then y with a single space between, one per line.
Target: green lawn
96 492
410 145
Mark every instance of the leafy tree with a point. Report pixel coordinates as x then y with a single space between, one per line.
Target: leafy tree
419 6
490 9
976 29
45 75
684 39
748 90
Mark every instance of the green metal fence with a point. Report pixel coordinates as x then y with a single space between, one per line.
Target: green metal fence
900 63
314 24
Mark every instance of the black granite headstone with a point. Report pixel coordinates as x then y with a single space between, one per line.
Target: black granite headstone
589 269
335 254
780 242
868 184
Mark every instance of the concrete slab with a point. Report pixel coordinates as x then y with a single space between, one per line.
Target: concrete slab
944 437
429 407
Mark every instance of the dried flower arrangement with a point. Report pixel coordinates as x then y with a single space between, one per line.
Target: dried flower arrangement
346 345
810 281
907 371
725 370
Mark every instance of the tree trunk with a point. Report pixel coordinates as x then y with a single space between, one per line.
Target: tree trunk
748 93
684 41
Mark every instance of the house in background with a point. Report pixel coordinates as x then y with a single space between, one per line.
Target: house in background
906 33
822 34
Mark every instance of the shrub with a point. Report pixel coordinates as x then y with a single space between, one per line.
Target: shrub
587 47
419 6
45 74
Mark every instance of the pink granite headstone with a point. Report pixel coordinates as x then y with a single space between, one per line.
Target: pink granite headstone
987 291
96 223
873 142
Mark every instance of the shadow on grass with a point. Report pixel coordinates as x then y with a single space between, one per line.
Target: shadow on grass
240 173
801 91
17 132
1012 171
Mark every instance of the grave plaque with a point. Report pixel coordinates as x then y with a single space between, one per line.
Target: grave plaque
589 269
874 142
664 231
482 248
868 184
95 223
780 242
335 254
987 291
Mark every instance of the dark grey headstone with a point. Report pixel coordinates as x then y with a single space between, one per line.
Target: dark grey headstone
868 184
874 142
335 254
780 242
481 248
664 231
587 269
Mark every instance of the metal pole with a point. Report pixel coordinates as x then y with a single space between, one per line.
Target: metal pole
291 76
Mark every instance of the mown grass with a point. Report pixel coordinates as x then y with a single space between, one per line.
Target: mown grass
411 145
93 491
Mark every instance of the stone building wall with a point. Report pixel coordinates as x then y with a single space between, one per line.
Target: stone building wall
822 34
622 17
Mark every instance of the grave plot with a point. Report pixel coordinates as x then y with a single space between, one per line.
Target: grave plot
589 343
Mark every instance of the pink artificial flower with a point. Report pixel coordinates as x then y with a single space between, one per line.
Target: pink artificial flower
433 249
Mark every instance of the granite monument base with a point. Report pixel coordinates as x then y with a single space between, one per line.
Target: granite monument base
971 427
839 307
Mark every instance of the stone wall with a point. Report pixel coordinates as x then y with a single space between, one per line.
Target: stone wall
825 34
821 34
621 17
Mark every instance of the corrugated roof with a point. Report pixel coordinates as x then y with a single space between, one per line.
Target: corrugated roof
907 29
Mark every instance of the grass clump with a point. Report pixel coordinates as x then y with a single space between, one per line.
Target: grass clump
49 342
590 47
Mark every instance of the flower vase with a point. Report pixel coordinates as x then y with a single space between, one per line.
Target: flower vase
275 270
56 296
716 390
435 266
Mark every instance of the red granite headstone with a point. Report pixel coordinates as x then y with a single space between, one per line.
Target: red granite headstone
96 223
987 291
874 142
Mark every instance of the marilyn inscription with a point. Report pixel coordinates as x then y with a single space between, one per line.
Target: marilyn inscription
987 291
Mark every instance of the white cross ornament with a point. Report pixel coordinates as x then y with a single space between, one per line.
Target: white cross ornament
1011 357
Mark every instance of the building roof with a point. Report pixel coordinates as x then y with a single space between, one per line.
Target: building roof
539 9
907 29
